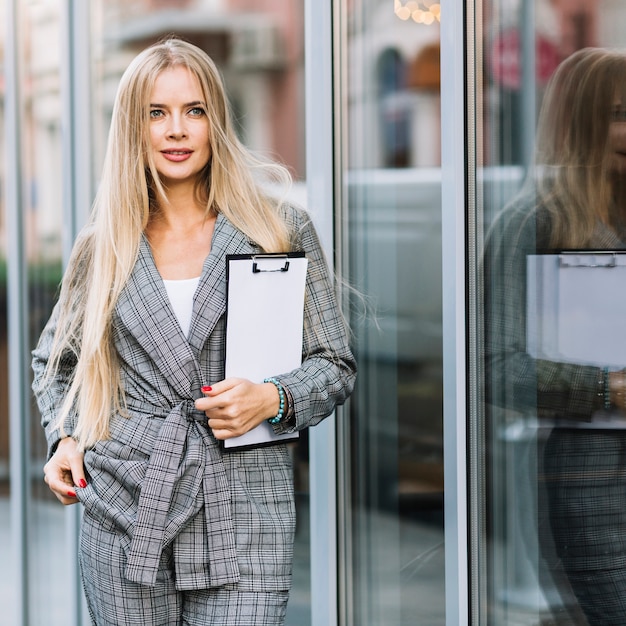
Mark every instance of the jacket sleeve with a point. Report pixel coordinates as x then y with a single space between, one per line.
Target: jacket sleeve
50 391
327 375
514 379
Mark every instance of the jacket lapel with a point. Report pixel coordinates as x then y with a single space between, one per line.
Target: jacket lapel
210 298
144 310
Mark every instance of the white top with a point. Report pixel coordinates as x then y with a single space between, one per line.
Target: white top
180 293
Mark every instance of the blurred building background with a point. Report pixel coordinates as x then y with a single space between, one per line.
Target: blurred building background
351 96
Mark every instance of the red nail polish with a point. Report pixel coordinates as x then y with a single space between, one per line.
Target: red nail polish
82 483
206 389
71 494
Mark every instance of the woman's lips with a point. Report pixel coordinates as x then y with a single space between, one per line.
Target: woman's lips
176 155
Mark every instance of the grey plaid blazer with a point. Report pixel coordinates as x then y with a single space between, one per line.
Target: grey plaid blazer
514 379
162 478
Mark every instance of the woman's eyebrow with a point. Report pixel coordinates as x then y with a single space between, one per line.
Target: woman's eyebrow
155 105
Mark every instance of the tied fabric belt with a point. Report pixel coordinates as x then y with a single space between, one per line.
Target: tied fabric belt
156 496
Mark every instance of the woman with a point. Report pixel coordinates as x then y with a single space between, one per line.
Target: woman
574 199
129 371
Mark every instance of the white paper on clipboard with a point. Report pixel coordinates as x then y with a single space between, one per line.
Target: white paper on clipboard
264 321
576 306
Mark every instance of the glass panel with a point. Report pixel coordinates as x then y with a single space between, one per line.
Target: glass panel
554 422
258 46
392 180
38 40
43 225
6 588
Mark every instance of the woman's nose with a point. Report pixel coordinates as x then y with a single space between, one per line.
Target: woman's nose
177 126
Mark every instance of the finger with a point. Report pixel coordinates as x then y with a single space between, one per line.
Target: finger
68 499
222 386
77 469
220 435
208 404
60 483
58 475
204 403
220 424
215 400
225 433
71 459
226 426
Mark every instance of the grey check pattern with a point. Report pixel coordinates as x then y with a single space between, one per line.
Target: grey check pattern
162 480
103 565
514 379
577 510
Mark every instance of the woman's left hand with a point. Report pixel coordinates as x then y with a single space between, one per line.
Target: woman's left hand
236 405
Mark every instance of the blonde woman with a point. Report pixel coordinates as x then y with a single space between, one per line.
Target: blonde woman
129 371
575 198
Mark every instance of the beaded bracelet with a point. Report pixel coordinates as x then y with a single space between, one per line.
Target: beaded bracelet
607 389
281 401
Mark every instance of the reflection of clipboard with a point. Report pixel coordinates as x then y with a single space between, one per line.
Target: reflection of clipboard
264 321
576 307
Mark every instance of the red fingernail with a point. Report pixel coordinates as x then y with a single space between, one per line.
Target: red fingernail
206 389
82 483
71 494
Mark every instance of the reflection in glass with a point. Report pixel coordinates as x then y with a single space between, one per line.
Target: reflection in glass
5 537
40 179
259 45
554 430
395 115
394 436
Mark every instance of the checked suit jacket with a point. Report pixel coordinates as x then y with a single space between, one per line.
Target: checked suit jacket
570 486
162 479
554 390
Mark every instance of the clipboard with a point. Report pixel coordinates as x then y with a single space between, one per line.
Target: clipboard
576 307
264 322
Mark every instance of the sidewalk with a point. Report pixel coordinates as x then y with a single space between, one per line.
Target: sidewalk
47 575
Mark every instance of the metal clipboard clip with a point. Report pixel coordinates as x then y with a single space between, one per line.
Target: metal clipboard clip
593 259
257 270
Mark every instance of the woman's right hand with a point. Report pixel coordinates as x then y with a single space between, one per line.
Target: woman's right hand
64 472
617 389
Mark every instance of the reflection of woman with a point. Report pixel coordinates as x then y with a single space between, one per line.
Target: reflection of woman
130 366
575 199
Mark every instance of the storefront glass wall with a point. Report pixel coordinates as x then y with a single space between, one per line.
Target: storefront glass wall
4 378
392 444
549 427
545 453
43 228
66 61
32 237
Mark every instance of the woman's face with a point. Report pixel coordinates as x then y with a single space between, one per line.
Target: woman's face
179 127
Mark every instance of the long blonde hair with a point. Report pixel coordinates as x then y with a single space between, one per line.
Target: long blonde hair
572 178
130 190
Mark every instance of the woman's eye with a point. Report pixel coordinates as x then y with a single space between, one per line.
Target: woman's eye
197 111
154 113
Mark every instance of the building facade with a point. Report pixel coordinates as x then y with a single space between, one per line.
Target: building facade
408 126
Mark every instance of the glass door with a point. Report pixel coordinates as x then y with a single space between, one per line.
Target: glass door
31 227
392 443
549 417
